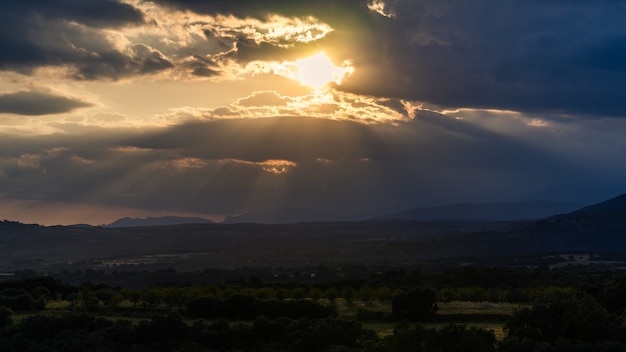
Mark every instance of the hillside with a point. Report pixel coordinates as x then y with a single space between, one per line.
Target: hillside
487 211
597 228
600 228
157 221
201 246
284 216
615 206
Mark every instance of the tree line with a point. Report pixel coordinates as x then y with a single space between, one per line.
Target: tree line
586 316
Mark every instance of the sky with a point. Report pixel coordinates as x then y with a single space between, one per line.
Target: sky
113 108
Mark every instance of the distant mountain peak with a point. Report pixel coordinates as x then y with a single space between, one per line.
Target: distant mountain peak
617 204
158 221
284 216
523 210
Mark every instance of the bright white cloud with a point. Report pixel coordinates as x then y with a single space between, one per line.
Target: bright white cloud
380 7
326 103
183 35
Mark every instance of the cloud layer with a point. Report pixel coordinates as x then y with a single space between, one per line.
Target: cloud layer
37 103
533 56
229 166
188 106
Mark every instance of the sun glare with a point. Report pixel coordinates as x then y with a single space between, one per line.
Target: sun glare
318 70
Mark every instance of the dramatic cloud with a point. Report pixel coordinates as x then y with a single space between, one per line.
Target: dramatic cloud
37 103
540 56
323 9
96 13
65 32
357 106
325 104
229 166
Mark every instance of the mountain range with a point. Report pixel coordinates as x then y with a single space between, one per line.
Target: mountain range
596 229
462 211
487 211
285 216
158 221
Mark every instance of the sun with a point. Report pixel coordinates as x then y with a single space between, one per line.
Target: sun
318 70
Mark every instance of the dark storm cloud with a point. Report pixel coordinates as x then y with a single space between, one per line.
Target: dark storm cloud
546 56
38 103
65 33
322 9
94 13
112 64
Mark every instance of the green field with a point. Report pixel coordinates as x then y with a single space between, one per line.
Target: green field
484 315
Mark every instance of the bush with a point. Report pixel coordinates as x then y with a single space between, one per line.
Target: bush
372 315
5 316
248 307
415 305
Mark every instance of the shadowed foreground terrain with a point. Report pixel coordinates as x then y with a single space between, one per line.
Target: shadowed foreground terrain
198 246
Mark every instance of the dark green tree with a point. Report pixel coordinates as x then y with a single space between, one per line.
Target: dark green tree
578 318
415 305
366 294
108 296
73 297
5 316
332 294
349 294
134 296
89 299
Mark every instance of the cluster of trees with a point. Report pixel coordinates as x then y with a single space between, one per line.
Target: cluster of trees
416 338
499 294
414 305
574 323
352 275
90 296
30 294
33 293
22 300
248 308
299 317
81 332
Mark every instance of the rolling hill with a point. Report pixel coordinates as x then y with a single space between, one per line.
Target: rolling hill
600 228
284 216
157 221
597 228
487 211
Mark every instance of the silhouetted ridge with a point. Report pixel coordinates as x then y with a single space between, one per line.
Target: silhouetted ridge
487 211
158 221
613 205
284 216
7 225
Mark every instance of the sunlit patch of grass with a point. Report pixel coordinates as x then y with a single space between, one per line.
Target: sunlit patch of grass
484 315
350 310
497 328
484 308
132 319
382 329
58 304
20 316
488 316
